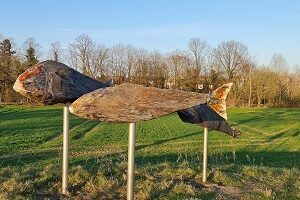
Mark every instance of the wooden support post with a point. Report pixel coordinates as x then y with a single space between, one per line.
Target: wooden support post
131 156
205 148
65 149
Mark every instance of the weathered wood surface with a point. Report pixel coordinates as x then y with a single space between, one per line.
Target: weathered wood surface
132 103
51 82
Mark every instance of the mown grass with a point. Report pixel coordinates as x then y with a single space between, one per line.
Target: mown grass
262 164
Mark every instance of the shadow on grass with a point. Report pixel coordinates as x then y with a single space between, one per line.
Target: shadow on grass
159 142
269 114
282 159
247 120
54 136
276 136
91 125
247 158
34 158
297 133
278 159
33 114
74 128
7 111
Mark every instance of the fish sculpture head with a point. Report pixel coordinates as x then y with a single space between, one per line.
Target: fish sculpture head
33 83
52 82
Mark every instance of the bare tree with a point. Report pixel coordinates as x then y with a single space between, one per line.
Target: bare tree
293 86
265 86
89 57
279 65
117 62
247 79
56 51
231 56
141 67
130 59
199 50
178 62
80 52
99 61
158 69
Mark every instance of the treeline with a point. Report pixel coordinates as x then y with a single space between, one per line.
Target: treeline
193 69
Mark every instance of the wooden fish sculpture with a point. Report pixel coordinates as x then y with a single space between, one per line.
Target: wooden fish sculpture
51 82
132 103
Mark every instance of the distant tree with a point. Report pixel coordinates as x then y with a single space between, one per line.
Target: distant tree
212 72
6 52
56 51
99 62
244 83
212 77
118 63
158 69
130 59
31 57
141 71
85 55
189 79
293 87
199 50
7 69
178 62
80 53
272 85
250 76
265 86
31 47
279 65
231 56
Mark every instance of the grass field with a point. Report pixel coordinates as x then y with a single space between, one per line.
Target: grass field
262 164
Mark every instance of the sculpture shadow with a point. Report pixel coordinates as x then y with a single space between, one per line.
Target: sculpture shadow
91 125
297 133
92 164
280 159
23 114
7 111
159 142
22 159
265 115
276 136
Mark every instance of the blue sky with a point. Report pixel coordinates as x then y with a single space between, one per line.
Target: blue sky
265 26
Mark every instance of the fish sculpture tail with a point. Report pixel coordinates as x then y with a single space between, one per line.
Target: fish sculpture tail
217 99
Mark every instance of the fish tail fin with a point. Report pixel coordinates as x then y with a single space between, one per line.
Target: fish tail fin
218 99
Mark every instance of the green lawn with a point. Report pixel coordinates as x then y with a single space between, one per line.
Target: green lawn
262 164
